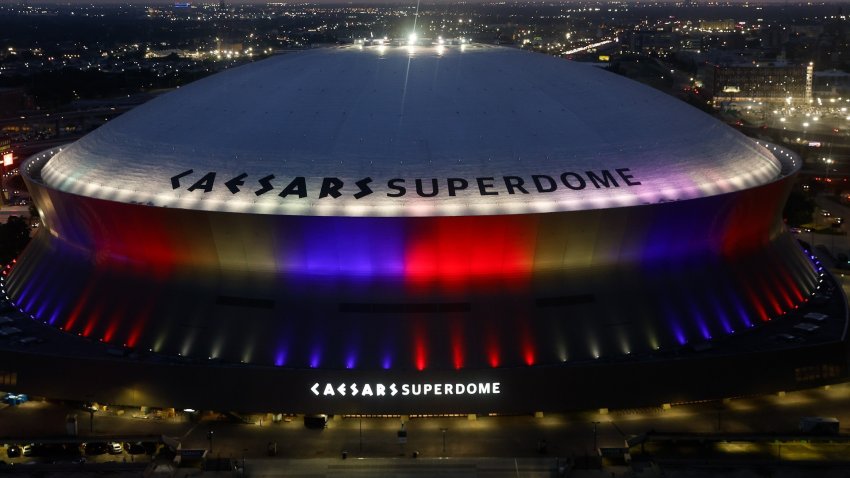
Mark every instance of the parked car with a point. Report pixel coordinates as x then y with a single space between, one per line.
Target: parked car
151 447
95 448
134 448
13 451
317 422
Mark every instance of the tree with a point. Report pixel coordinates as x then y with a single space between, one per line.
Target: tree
14 236
799 209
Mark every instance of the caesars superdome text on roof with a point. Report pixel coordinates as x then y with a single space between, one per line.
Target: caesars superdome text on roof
398 187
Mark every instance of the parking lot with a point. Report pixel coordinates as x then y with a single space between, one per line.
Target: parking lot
71 451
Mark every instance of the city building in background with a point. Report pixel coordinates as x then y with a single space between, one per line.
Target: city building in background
775 82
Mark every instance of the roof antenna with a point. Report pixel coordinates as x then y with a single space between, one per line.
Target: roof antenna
411 42
415 19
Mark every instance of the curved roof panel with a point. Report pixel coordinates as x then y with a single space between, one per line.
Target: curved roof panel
411 131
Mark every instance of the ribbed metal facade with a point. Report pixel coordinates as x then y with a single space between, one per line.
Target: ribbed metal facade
411 293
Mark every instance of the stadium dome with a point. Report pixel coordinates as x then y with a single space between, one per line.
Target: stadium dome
405 121
411 210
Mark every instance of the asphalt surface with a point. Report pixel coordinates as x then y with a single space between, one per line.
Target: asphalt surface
486 446
565 434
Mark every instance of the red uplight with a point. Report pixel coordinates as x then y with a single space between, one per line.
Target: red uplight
493 350
493 358
528 355
449 250
420 359
456 332
420 354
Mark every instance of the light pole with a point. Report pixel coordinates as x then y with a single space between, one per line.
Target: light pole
720 408
444 430
595 437
210 438
827 162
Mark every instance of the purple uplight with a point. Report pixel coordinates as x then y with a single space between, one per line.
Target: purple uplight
369 247
680 335
280 358
315 358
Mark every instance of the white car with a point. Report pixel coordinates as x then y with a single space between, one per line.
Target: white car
115 448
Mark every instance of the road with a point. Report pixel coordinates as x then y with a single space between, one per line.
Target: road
514 440
836 243
565 434
7 211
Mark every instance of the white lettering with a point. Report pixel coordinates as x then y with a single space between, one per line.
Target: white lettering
380 390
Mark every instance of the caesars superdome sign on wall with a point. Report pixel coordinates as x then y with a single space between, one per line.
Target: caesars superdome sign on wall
334 187
370 390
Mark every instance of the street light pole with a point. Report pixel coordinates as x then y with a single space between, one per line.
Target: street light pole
719 412
210 438
595 437
827 162
444 430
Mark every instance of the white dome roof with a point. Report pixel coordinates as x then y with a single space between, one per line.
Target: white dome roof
357 125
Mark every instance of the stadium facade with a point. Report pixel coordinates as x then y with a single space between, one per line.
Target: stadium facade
419 229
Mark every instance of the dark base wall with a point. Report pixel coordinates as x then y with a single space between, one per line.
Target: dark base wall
521 390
